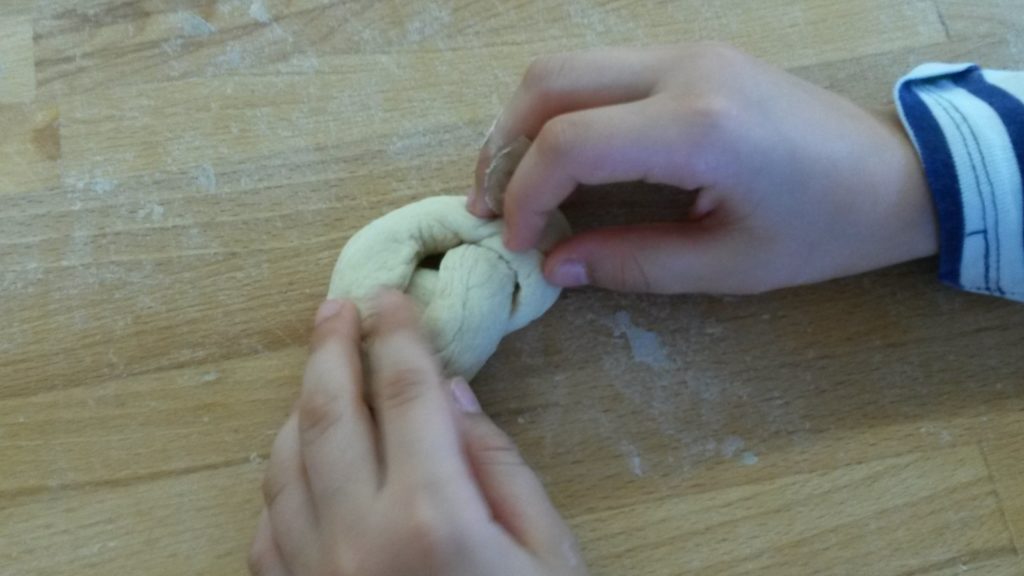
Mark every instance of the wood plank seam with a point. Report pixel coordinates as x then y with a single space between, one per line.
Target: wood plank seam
1002 501
12 499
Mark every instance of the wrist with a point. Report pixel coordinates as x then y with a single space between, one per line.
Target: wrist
916 223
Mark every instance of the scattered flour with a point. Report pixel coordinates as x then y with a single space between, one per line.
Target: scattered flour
94 181
300 63
598 23
102 185
732 445
173 46
258 12
427 23
231 59
944 437
151 211
636 465
206 178
645 345
193 25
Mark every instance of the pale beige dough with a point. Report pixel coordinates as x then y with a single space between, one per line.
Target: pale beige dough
481 291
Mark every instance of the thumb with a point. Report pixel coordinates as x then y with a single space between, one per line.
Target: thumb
516 497
667 258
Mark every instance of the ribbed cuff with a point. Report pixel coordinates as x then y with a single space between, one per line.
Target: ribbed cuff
969 133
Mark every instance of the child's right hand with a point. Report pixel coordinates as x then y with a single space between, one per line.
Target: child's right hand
795 184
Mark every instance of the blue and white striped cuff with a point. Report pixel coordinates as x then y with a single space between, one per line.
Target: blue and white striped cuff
968 127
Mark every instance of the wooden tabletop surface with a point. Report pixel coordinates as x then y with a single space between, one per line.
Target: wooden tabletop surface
177 177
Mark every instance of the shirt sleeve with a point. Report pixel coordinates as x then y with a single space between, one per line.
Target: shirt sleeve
968 127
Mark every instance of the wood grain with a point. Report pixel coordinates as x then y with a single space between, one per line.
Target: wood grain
177 177
18 72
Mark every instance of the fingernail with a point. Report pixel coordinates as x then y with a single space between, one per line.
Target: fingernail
327 309
490 131
570 274
475 204
463 395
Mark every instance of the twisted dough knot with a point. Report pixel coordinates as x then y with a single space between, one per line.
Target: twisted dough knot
480 292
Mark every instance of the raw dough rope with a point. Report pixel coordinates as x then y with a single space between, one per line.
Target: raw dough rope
480 292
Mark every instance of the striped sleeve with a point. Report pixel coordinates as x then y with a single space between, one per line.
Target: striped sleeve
968 126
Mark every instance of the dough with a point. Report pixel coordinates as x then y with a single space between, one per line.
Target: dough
479 293
500 171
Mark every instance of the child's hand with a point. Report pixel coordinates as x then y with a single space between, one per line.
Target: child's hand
418 486
796 184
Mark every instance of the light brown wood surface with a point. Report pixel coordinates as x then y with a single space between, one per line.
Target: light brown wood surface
176 179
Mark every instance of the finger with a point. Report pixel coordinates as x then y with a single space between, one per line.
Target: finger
646 141
416 417
514 494
554 85
692 257
335 426
289 503
264 557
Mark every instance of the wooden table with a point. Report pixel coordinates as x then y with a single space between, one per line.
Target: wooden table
176 179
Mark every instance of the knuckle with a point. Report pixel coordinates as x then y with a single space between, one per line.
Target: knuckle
558 137
272 487
431 531
319 410
273 480
494 447
338 328
257 560
500 455
542 72
322 335
402 387
707 145
635 274
624 271
711 118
